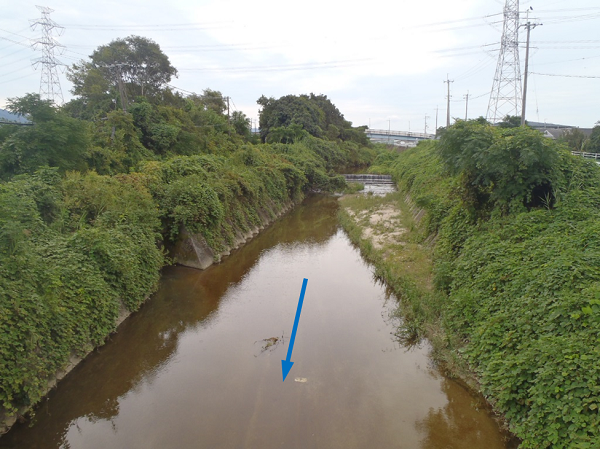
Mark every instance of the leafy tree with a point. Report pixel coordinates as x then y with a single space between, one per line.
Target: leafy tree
511 121
500 165
138 61
241 124
210 100
593 144
289 110
315 113
574 138
287 134
333 116
116 144
55 139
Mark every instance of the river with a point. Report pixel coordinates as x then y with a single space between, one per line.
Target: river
199 366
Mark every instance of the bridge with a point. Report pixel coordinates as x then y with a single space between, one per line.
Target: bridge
400 138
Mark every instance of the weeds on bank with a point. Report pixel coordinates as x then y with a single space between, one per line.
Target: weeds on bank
401 259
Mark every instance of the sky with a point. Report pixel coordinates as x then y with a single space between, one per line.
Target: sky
382 63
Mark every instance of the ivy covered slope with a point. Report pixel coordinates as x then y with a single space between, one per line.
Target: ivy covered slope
517 265
92 189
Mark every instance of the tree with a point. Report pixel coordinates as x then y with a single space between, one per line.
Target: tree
289 110
316 114
55 139
241 124
500 165
510 121
593 143
574 138
333 116
287 134
134 66
211 100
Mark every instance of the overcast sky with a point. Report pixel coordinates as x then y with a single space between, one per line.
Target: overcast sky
382 64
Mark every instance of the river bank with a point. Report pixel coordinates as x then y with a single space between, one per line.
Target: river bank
194 367
190 250
390 234
512 221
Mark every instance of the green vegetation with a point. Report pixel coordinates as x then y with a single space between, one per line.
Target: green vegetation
313 114
592 145
72 250
389 237
512 220
92 191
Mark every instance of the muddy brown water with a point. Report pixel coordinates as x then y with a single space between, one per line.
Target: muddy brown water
194 367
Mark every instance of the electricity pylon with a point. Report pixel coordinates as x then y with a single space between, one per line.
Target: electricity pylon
49 83
505 98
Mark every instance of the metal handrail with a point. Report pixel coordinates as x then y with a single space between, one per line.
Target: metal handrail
586 155
399 133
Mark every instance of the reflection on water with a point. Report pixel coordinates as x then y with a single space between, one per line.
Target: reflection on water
188 369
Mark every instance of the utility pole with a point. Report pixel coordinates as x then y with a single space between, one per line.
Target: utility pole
448 81
228 120
426 117
49 83
529 26
122 91
389 130
436 120
467 106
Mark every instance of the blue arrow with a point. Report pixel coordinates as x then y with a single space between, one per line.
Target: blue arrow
286 365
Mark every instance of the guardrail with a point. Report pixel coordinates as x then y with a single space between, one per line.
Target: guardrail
595 156
386 132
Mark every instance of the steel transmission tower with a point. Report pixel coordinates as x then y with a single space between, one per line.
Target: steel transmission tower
505 98
49 82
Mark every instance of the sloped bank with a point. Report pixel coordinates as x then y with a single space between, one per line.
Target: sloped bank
515 274
389 232
190 250
80 253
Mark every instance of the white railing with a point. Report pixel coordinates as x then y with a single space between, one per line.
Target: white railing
391 133
586 155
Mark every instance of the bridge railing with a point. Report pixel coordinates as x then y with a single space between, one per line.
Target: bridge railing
390 133
586 155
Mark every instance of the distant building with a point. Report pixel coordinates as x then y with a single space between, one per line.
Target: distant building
554 131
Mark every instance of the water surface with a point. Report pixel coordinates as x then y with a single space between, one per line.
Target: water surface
194 367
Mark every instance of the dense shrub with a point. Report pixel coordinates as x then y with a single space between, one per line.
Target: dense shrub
71 251
77 246
520 284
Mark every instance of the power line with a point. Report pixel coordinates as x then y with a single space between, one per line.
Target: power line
283 67
568 60
565 76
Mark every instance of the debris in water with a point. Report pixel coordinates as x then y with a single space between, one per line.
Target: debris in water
268 344
301 379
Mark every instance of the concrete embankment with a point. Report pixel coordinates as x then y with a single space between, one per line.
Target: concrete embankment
190 250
